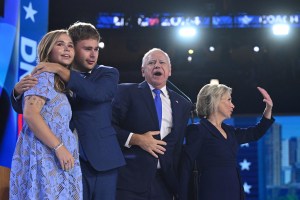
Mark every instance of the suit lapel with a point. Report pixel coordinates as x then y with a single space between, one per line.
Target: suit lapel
148 99
214 131
92 72
175 102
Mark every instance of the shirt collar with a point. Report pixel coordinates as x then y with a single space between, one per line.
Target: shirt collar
163 89
82 71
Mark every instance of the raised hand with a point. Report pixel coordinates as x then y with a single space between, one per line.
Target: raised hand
269 103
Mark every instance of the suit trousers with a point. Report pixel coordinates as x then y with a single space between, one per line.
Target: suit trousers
98 185
157 191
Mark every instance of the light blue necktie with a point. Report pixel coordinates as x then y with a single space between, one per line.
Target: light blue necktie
158 105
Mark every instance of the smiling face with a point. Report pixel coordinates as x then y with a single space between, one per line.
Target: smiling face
156 68
62 51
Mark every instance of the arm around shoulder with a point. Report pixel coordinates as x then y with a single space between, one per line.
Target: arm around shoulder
16 103
64 73
100 87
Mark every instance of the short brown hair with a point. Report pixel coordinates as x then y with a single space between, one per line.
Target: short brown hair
83 31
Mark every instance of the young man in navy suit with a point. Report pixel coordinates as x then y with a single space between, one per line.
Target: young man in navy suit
151 148
92 89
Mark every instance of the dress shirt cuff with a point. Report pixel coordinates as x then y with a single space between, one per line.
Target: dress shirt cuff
128 140
17 98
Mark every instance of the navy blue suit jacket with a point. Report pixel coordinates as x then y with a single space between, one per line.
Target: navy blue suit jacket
134 111
91 116
91 110
219 176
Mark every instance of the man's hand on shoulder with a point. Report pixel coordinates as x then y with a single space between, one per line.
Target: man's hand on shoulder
24 84
56 68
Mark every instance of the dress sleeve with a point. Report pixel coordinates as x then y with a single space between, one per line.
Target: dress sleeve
44 87
253 133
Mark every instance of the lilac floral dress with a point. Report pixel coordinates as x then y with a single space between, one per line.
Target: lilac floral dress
36 172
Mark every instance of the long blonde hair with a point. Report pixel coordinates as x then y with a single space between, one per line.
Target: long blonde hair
44 49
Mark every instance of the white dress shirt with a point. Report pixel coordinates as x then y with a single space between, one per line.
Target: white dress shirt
167 120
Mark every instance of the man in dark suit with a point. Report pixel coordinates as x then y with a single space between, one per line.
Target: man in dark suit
151 147
92 90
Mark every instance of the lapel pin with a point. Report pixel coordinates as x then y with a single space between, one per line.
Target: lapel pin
176 101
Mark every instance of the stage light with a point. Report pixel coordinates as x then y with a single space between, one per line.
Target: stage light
101 45
281 29
190 51
187 32
214 81
211 48
189 59
256 49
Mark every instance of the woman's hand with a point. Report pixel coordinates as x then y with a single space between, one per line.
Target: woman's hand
65 158
269 103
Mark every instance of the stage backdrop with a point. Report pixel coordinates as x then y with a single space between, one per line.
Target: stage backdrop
21 28
22 25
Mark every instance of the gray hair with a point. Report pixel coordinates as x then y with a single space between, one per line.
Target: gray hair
151 51
209 97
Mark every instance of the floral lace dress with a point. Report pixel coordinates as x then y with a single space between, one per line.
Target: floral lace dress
36 172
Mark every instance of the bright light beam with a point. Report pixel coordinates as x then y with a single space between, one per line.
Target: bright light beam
281 29
187 32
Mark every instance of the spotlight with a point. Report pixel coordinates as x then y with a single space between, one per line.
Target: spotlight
101 45
187 32
281 29
214 81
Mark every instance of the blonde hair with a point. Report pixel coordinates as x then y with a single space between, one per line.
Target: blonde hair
209 97
44 50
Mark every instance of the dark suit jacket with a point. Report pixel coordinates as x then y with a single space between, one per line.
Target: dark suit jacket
216 157
91 116
134 111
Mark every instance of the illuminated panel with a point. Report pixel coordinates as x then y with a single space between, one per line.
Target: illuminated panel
112 21
22 26
175 21
222 22
247 21
119 20
145 21
8 34
265 21
269 20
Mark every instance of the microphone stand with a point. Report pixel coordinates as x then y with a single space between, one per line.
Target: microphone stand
186 97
